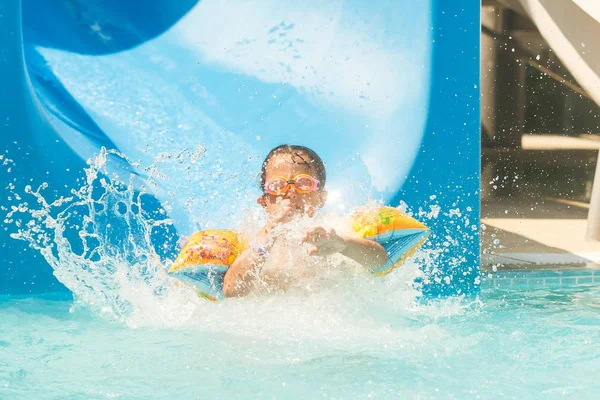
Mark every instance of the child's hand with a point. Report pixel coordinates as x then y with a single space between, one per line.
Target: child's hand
324 242
284 213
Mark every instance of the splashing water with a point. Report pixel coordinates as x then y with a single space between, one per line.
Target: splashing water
106 242
346 334
98 240
343 333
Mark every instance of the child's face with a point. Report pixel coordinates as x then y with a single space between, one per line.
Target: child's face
301 203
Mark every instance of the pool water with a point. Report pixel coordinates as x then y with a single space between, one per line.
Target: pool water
525 342
132 332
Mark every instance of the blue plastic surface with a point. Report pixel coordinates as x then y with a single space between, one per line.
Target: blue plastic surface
385 91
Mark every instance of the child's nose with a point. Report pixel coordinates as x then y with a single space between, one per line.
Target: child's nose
292 193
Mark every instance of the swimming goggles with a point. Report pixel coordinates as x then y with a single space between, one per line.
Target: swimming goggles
302 183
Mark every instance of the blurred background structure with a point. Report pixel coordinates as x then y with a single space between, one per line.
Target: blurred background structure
540 85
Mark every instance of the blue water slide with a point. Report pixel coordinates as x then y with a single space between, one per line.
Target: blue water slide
196 93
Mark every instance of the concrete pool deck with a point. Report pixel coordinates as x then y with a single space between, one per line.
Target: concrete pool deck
529 230
538 233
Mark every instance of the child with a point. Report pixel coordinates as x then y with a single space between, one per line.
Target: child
293 184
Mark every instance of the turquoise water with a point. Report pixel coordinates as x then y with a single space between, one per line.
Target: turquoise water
134 333
516 341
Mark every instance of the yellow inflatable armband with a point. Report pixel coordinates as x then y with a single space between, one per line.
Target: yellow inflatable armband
400 234
204 260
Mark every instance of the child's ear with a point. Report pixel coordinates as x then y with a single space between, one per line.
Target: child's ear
261 200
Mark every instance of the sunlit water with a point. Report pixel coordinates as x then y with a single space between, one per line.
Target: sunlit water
520 344
132 332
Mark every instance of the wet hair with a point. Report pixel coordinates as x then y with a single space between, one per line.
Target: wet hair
300 155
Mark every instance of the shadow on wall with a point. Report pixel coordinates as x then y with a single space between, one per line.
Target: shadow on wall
99 26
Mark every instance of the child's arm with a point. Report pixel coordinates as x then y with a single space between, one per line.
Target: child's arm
242 273
239 277
366 252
